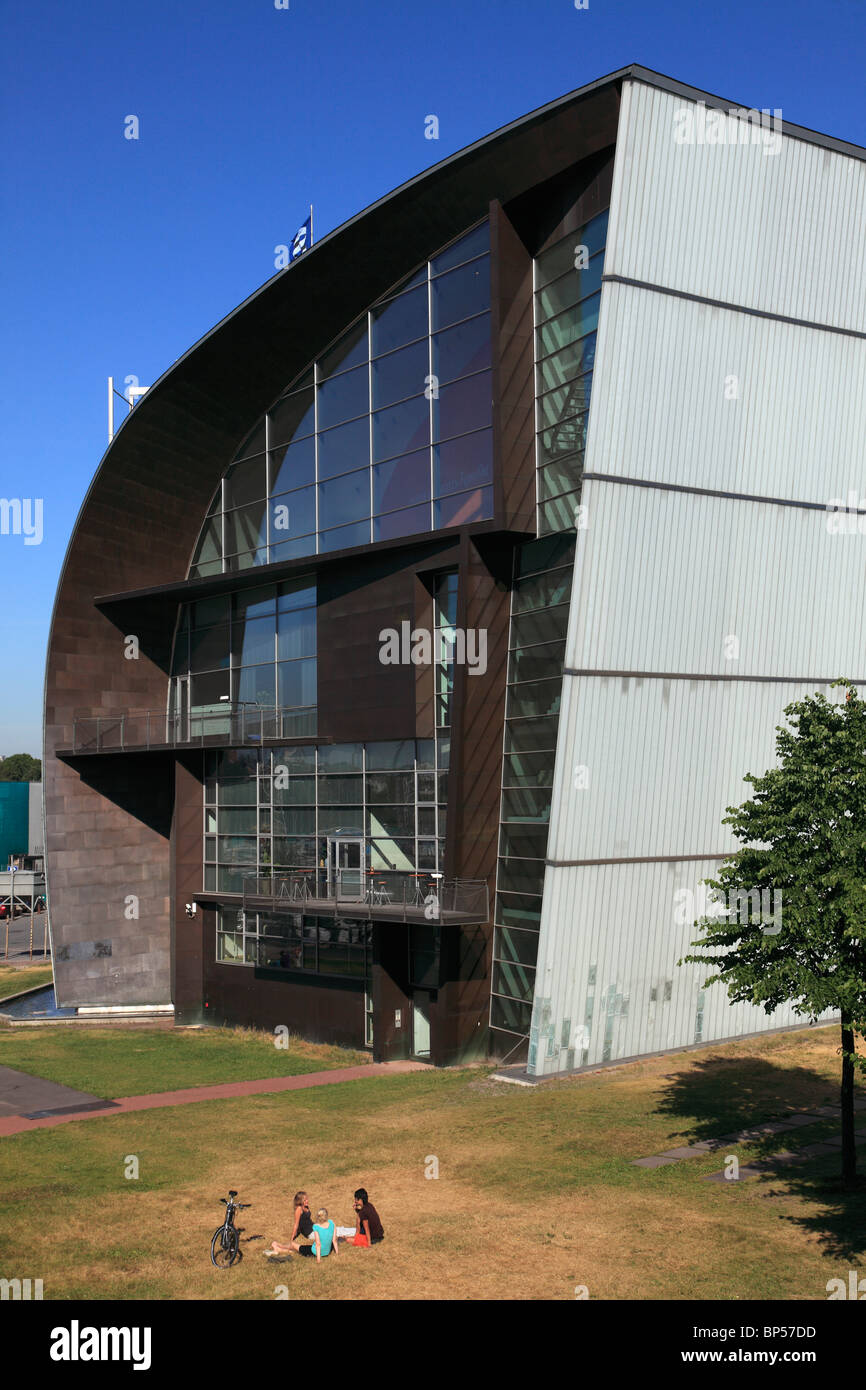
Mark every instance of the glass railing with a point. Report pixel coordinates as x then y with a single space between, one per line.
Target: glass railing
248 724
402 896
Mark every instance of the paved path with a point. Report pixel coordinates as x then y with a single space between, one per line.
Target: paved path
754 1133
18 1124
21 1094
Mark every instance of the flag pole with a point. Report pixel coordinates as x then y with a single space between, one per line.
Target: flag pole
311 224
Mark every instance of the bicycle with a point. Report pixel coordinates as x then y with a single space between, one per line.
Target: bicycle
225 1245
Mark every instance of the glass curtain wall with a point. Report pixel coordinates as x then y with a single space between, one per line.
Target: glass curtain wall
567 298
388 434
539 620
294 941
273 811
246 651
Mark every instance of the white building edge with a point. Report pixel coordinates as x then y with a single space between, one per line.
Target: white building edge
728 410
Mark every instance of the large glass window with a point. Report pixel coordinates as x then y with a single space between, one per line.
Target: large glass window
249 652
388 434
278 811
567 299
541 589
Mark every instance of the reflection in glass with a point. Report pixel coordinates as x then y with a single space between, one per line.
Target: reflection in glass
570 288
296 683
400 321
293 514
293 466
296 634
345 499
344 397
561 257
462 350
246 529
245 482
255 685
344 449
350 351
464 406
461 293
568 327
474 243
402 482
344 537
399 429
409 522
254 442
291 417
400 374
463 463
253 641
464 508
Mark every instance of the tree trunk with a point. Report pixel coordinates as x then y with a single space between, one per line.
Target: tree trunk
849 1153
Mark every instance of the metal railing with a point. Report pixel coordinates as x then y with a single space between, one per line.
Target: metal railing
388 895
137 729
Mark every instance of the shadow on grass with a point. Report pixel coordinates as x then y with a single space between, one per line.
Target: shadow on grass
837 1216
721 1095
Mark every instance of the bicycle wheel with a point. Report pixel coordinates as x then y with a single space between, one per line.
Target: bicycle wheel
224 1247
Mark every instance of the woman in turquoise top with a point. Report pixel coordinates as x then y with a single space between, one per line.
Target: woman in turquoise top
323 1238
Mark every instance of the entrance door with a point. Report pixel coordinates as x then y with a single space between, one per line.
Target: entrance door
345 868
420 1023
178 730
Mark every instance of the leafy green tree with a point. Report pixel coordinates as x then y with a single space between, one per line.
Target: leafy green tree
20 767
804 837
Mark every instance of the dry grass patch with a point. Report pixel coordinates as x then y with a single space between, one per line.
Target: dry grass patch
536 1195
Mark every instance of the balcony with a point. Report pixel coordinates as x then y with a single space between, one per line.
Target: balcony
230 726
380 897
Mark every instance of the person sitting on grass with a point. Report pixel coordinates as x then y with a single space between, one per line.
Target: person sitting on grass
323 1238
367 1218
302 1226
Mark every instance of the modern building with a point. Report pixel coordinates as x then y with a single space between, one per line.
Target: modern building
422 621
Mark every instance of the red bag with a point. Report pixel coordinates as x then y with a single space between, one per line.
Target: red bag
360 1239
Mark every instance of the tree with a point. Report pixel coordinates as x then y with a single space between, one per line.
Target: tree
20 767
804 836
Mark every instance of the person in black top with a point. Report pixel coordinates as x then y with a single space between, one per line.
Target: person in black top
368 1217
302 1226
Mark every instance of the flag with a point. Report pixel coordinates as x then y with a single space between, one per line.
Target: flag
302 240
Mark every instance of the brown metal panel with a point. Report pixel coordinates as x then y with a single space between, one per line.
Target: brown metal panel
186 863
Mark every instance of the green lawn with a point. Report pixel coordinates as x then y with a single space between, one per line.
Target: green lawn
15 979
110 1062
536 1191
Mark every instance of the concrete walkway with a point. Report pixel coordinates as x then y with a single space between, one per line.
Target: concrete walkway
22 1094
754 1134
98 1109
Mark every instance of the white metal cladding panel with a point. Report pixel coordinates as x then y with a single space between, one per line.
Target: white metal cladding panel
663 406
663 759
610 939
778 232
678 582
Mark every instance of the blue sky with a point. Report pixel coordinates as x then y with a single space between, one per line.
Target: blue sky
119 254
